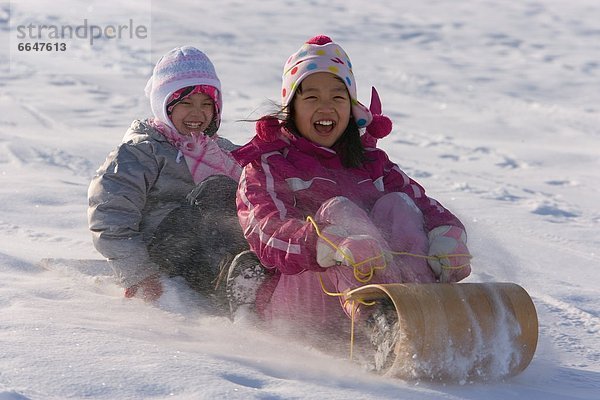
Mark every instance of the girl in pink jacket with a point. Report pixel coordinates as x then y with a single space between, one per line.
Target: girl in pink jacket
326 211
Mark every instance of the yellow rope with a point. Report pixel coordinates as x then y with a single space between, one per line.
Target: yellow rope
360 275
339 294
354 308
369 274
439 258
365 277
333 294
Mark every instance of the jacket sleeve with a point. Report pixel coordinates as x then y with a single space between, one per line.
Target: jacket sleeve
276 231
116 197
434 214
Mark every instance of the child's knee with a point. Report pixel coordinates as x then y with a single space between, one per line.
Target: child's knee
340 210
398 202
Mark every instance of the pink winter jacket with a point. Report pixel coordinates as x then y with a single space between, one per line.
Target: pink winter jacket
287 178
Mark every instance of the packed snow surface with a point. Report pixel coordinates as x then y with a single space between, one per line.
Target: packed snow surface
496 111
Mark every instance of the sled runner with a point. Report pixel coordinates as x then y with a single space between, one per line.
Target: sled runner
458 332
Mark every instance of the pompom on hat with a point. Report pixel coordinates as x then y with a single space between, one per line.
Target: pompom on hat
381 125
181 67
321 54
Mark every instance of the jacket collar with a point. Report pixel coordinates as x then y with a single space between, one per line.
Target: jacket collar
257 147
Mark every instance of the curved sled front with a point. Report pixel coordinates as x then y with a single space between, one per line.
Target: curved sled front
459 332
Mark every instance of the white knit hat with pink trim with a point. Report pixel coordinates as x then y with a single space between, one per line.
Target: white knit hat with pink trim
181 67
321 54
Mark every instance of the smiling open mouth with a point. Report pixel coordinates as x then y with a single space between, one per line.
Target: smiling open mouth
193 125
325 126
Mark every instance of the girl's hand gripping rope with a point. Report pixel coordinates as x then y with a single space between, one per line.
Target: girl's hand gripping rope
449 257
336 247
361 251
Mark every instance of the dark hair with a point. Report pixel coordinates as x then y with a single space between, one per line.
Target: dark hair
348 146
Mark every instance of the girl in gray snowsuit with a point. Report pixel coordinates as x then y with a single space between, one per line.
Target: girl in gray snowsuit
164 200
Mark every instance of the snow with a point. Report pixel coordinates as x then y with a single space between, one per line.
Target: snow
496 112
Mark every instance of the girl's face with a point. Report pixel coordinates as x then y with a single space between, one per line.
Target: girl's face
192 115
322 108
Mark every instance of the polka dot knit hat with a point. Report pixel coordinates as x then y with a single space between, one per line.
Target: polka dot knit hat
321 54
179 68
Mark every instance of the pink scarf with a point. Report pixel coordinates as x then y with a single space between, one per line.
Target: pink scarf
203 155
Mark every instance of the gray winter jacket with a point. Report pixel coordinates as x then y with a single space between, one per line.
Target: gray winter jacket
140 182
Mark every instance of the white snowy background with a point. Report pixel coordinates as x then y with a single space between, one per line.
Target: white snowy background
496 106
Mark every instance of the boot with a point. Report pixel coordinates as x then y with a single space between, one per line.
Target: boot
244 277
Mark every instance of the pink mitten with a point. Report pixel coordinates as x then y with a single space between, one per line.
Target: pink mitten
361 251
149 289
337 248
331 237
449 245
